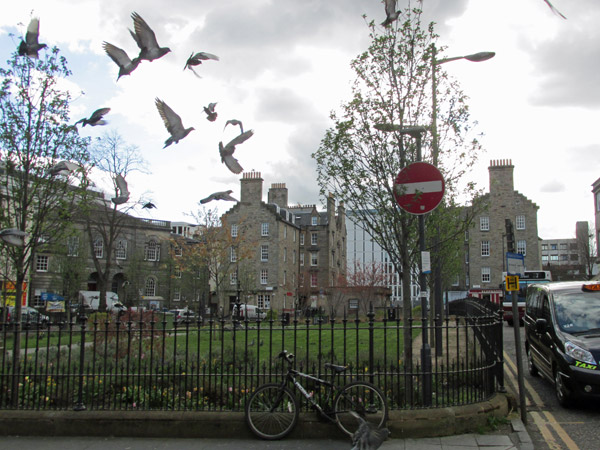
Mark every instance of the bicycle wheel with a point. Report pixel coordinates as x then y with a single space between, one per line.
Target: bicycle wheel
272 411
364 399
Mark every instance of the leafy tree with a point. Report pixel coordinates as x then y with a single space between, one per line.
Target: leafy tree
361 155
105 220
34 135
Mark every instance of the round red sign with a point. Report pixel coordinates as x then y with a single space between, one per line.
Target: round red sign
419 188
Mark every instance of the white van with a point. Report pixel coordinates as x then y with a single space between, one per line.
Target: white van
250 312
91 300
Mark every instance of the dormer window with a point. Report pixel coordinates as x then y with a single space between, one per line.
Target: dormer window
314 220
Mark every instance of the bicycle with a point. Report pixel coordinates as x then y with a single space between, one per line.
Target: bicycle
272 410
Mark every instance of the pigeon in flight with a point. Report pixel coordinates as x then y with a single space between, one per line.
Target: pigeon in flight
63 168
149 205
196 59
223 195
235 122
13 236
97 118
123 192
30 46
226 152
391 13
211 114
146 39
118 55
367 437
173 123
554 10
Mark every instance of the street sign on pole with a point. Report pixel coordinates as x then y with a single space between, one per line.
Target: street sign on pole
515 264
419 188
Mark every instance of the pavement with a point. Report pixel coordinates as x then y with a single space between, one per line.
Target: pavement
511 436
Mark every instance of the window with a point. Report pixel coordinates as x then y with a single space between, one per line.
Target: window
293 256
284 276
485 274
234 230
177 272
37 299
520 222
553 246
98 247
264 253
41 263
285 232
313 238
564 246
301 238
176 294
150 287
152 251
522 247
264 229
294 236
301 258
353 303
553 257
232 255
264 276
313 280
285 254
544 257
264 301
564 257
178 250
314 260
485 248
121 249
544 247
484 223
314 220
233 278
73 246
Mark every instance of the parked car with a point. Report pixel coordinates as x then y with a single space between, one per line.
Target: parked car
183 316
251 312
562 337
30 317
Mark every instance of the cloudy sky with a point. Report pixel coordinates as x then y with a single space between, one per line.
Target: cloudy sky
284 65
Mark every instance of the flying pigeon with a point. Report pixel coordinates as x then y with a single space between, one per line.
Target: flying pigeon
126 64
149 205
235 122
121 189
367 437
96 118
13 236
390 12
223 195
146 39
63 168
226 152
30 46
554 10
173 123
211 114
196 59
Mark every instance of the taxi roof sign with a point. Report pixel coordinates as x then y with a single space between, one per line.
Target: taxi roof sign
591 287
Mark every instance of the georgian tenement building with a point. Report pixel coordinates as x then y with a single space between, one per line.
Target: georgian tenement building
287 255
486 242
596 192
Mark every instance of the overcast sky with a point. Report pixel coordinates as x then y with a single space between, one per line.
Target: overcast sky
284 65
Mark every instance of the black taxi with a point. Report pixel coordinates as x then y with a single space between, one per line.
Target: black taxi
562 337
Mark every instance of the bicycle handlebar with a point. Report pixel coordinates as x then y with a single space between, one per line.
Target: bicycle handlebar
289 357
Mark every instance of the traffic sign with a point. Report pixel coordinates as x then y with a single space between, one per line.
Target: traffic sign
512 283
515 263
419 188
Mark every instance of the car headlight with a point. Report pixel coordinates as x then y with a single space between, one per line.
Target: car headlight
578 353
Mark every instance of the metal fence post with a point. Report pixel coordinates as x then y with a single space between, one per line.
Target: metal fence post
79 406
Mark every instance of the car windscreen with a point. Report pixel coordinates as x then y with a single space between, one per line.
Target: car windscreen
577 311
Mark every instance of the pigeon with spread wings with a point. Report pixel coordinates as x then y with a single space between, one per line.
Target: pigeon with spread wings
146 39
196 59
97 118
222 195
390 12
211 114
30 46
121 58
553 9
226 151
235 122
173 123
122 190
367 437
63 168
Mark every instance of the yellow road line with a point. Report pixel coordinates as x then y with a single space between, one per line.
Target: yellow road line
562 434
542 425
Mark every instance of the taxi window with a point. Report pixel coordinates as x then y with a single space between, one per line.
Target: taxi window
577 311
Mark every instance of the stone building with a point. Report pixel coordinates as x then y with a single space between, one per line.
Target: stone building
486 244
596 192
566 258
283 256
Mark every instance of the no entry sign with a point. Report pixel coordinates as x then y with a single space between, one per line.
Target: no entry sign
419 188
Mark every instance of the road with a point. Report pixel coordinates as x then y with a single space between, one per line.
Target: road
550 426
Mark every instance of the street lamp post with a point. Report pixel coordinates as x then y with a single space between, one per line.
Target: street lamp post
437 275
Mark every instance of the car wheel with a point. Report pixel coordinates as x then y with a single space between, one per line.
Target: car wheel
533 371
563 395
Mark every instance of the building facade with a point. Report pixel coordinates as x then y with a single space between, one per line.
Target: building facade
486 243
283 257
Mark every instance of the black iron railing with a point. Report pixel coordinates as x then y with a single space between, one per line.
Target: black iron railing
145 362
